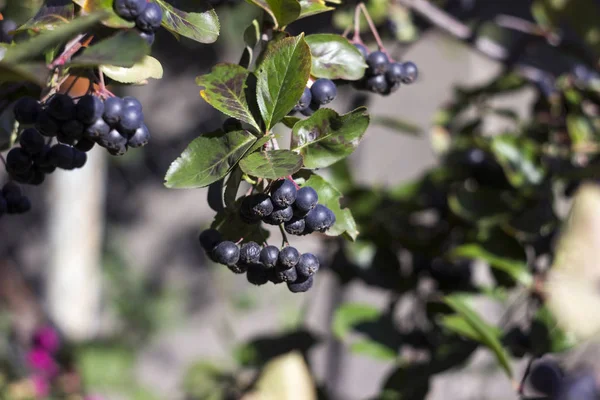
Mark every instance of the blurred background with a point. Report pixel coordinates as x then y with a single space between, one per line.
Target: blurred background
109 257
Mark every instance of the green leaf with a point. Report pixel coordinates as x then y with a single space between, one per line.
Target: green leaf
334 57
559 339
20 10
397 125
225 90
580 129
110 19
405 30
351 314
487 333
39 44
519 158
283 12
148 67
200 23
290 121
35 72
313 7
327 137
229 223
49 17
122 50
260 142
482 206
273 164
282 77
232 186
330 197
373 349
208 159
458 324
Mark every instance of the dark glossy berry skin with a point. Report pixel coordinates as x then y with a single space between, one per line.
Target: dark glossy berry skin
319 219
89 108
310 110
283 193
18 160
378 63
279 216
287 275
239 268
580 386
257 274
130 101
26 110
363 50
113 108
140 138
98 129
394 73
273 276
377 84
306 199
73 129
129 9
22 206
131 120
113 141
231 124
410 72
61 107
288 257
62 156
6 27
269 256
304 101
85 145
301 285
295 226
79 158
150 19
323 91
47 125
11 189
546 376
308 265
250 253
37 178
227 253
31 141
209 239
258 205
149 37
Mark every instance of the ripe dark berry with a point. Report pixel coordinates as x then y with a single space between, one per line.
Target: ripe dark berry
239 268
283 193
580 386
140 138
227 253
377 84
61 107
306 199
308 265
113 108
410 72
148 37
130 101
6 27
37 178
273 276
257 274
257 206
131 120
310 110
112 141
3 206
61 156
31 141
546 377
22 206
378 63
319 219
231 124
209 239
250 253
72 129
47 125
150 19
27 110
129 9
11 189
287 274
394 73
85 145
288 257
295 226
300 285
279 216
89 108
363 50
18 160
98 129
79 158
323 91
269 256
304 101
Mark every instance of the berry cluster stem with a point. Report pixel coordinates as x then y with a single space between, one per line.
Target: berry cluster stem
284 238
356 38
372 28
71 48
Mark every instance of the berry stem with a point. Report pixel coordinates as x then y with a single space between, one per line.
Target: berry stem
356 37
3 160
72 47
373 29
293 181
284 238
239 241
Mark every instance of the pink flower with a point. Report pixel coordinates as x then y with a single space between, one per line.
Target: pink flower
41 386
42 362
47 338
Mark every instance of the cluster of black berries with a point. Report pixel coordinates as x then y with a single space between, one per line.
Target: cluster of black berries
321 92
12 201
547 377
6 27
147 16
384 76
296 209
262 265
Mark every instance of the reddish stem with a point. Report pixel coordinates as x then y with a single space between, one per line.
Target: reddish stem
69 51
356 37
373 29
293 181
239 241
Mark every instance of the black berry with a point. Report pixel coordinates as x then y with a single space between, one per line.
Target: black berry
227 253
27 110
73 129
85 145
279 215
287 274
209 239
304 101
31 141
62 156
283 193
140 138
150 18
363 50
273 276
269 256
113 108
250 253
546 376
18 160
61 107
300 285
288 257
580 386
319 219
377 84
295 226
239 268
130 101
378 63
323 91
308 265
113 141
129 9
306 199
79 158
131 120
89 108
410 72
98 129
257 274
310 110
394 73
6 27
257 206
148 37
11 189
22 206
47 125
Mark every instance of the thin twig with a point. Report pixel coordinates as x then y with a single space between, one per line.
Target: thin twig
72 47
373 29
3 160
284 238
356 37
